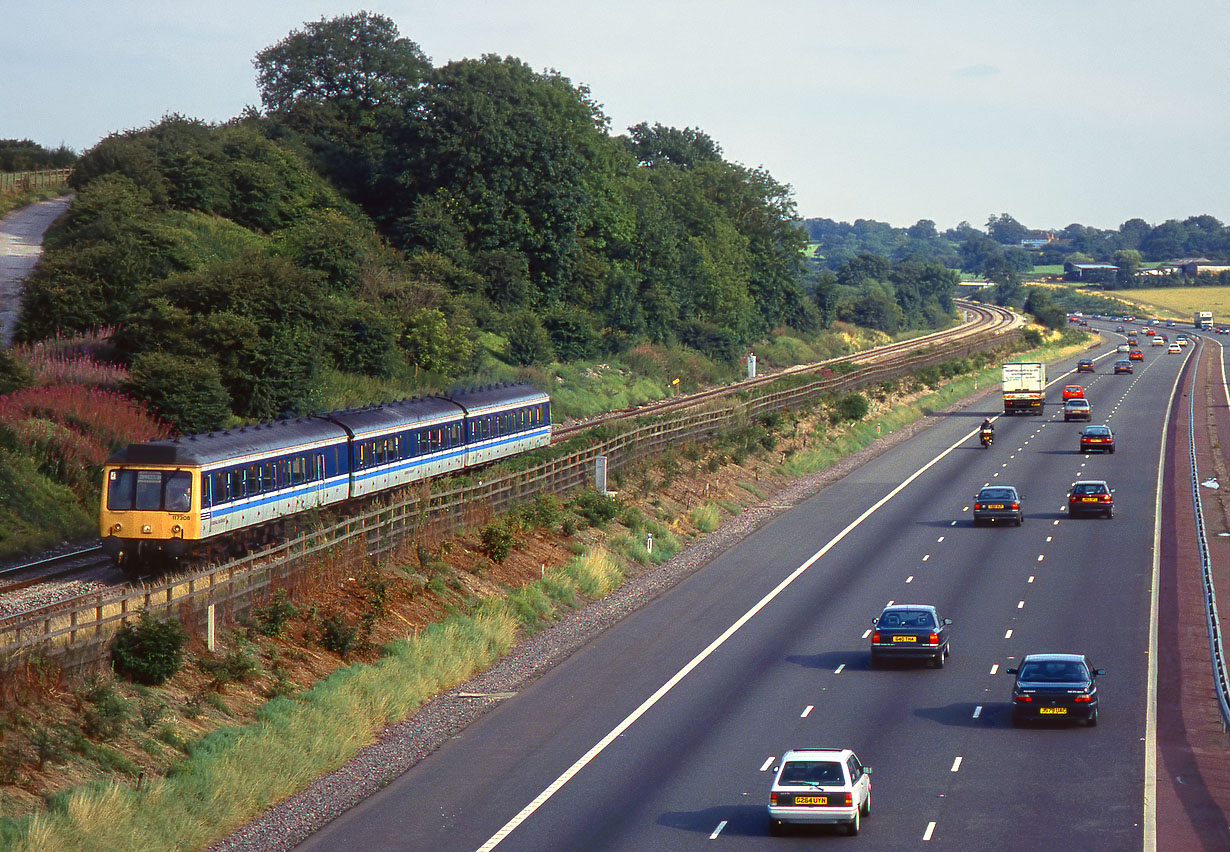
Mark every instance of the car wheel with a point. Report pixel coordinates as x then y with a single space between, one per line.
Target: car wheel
937 662
1092 721
1110 513
867 805
1112 451
854 826
1020 520
776 827
875 661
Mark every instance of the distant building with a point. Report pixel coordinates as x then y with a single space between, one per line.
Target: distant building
1037 239
1190 267
1088 271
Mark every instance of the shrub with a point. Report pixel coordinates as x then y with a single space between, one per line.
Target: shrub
497 541
150 651
338 635
186 392
107 714
852 407
595 508
271 620
237 666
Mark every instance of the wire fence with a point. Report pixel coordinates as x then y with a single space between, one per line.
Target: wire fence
79 630
12 183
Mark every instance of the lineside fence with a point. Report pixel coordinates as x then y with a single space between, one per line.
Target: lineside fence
12 183
79 630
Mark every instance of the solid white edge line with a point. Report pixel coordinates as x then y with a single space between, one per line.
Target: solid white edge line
567 775
1149 816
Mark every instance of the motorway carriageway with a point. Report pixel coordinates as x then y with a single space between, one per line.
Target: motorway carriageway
661 733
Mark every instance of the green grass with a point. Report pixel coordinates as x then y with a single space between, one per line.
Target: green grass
235 772
10 202
706 517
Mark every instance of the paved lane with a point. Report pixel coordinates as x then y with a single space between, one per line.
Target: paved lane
691 771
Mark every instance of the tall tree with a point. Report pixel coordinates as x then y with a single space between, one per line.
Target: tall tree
355 63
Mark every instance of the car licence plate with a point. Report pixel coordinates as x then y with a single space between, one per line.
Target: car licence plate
995 505
1052 711
1089 499
811 800
905 638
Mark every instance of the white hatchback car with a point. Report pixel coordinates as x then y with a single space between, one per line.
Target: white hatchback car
820 786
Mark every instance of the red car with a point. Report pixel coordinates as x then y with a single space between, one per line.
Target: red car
1073 392
1136 355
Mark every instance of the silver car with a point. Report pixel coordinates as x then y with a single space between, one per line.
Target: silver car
820 786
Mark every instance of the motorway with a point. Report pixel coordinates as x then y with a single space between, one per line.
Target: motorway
660 734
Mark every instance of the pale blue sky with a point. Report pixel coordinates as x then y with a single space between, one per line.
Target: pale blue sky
1055 111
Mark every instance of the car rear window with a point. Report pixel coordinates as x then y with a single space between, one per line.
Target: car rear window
812 772
1100 431
1054 671
996 494
907 618
1089 489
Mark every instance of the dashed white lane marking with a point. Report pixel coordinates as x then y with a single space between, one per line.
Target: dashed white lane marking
995 474
938 540
1005 464
839 668
1020 604
866 633
1041 556
807 711
956 764
717 830
1008 635
1012 456
1031 579
1049 538
977 713
954 523
890 603
910 579
926 557
930 830
767 763
1056 522
995 668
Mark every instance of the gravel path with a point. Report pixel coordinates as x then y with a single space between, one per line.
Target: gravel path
405 743
21 245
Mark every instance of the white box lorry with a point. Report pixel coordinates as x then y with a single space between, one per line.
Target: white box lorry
1024 388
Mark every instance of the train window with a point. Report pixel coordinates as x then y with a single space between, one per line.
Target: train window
177 493
296 470
120 487
206 496
148 496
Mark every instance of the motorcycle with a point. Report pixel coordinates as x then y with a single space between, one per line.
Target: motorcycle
987 437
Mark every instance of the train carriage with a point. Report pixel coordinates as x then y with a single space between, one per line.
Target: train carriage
226 490
165 497
398 443
503 421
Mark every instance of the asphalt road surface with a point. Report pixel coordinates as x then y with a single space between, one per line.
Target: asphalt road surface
661 733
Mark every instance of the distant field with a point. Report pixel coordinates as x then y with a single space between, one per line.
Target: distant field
1180 303
1051 269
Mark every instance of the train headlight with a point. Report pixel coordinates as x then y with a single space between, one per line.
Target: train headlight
146 529
177 530
116 528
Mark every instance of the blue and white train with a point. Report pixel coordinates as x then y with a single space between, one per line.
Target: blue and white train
220 491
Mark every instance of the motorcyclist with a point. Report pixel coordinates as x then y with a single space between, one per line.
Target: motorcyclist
987 425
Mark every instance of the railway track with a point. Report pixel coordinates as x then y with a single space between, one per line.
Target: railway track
93 564
988 319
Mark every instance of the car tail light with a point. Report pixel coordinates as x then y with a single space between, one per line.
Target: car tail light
1022 698
875 638
773 798
1105 498
849 799
933 639
1083 698
977 507
1016 506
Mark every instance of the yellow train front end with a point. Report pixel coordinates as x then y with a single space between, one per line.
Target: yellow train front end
149 511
